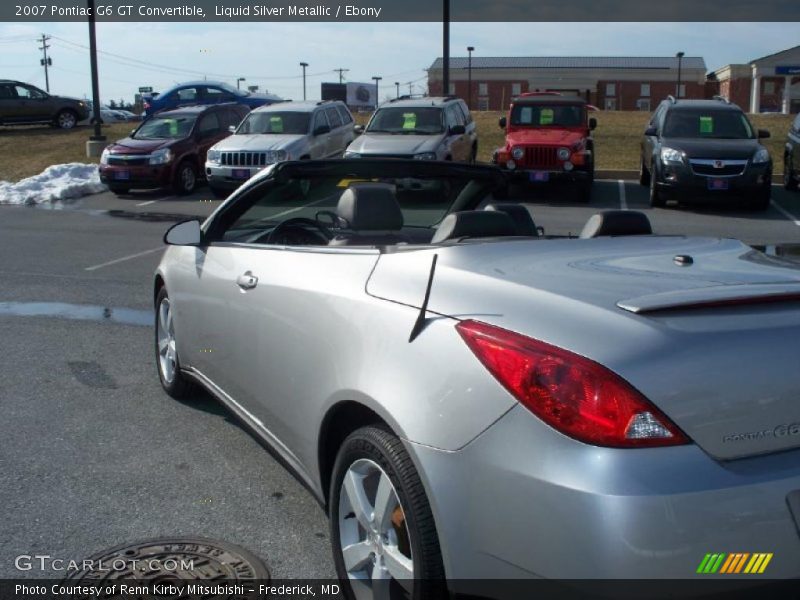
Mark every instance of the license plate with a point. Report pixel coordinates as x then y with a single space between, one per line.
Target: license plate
240 173
122 175
717 184
539 176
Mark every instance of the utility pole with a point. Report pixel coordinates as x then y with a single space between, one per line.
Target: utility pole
397 83
45 62
679 56
446 48
340 71
304 65
377 97
97 141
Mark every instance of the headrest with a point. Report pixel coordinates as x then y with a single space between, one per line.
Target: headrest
617 222
474 223
370 207
519 215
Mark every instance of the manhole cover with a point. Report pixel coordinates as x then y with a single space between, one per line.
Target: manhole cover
171 568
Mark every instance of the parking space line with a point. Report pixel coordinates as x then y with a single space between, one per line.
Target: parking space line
786 213
123 259
147 203
623 201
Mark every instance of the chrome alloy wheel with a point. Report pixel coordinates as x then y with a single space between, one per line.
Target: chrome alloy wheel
188 178
167 354
66 120
373 533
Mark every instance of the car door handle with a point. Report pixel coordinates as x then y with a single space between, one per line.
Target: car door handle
247 281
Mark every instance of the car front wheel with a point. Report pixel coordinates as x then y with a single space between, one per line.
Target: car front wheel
185 178
384 538
169 369
656 198
66 119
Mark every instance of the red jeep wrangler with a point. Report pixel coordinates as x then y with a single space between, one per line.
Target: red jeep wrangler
548 139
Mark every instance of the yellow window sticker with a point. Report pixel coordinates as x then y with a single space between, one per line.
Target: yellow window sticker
706 124
409 120
546 117
276 124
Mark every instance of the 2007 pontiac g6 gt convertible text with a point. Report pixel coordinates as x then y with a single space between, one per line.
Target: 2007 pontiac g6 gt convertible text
469 398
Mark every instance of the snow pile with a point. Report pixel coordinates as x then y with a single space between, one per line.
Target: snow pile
59 182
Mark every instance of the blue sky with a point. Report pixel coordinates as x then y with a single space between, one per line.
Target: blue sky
267 54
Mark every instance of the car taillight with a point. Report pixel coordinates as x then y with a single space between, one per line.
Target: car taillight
572 394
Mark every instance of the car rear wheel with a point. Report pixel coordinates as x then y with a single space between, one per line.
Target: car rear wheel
656 199
66 119
185 178
644 174
789 180
169 370
384 539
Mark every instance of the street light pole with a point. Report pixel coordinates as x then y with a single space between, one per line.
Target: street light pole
680 56
470 49
239 80
377 97
446 47
397 84
98 134
304 65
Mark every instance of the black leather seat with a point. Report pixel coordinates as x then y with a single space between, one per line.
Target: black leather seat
370 214
474 224
522 219
617 222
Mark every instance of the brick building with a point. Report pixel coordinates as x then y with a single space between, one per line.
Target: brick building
610 83
775 78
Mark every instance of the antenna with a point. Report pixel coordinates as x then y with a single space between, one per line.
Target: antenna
419 325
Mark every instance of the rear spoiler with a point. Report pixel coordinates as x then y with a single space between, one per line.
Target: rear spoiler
713 297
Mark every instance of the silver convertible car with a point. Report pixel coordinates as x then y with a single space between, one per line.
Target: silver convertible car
469 398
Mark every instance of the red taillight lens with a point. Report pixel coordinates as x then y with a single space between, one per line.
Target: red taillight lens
572 394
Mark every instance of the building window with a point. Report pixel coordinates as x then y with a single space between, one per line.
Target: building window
682 91
769 87
516 89
643 104
483 104
451 89
611 104
645 92
611 89
483 89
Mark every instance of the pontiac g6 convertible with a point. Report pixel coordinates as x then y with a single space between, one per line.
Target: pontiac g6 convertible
470 398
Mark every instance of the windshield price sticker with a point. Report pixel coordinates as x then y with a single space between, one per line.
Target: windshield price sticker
276 124
409 121
706 125
546 117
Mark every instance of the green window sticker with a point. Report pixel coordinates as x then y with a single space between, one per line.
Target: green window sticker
409 120
546 117
276 124
706 124
173 126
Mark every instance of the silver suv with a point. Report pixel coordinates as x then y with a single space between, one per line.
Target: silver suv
275 133
422 128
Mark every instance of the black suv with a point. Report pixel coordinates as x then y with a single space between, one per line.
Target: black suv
22 103
704 148
791 157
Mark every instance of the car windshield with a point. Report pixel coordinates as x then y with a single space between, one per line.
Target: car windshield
543 115
407 120
275 122
176 126
715 124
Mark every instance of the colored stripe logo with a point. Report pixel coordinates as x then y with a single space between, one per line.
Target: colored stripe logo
735 563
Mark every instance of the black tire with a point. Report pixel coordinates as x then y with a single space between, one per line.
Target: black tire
178 387
585 192
656 198
185 181
120 189
381 447
66 119
644 174
219 192
763 199
789 181
473 157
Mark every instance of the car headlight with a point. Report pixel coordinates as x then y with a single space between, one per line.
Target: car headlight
350 154
425 156
761 156
276 156
213 156
104 156
517 153
671 155
564 154
160 157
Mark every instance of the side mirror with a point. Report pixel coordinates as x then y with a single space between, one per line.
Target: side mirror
502 122
592 124
763 134
358 129
458 130
185 233
651 131
322 130
232 128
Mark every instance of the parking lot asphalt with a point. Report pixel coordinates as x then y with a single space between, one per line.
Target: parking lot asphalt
94 454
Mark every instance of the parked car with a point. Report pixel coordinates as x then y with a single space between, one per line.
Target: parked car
704 149
469 399
791 157
204 92
548 140
109 116
168 149
278 132
422 128
22 103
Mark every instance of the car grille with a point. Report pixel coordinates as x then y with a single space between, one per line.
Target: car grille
245 159
541 157
127 162
729 168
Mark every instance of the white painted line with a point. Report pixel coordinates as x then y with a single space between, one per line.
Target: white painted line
786 213
146 203
123 259
623 202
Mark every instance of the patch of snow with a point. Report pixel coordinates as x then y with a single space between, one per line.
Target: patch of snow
56 183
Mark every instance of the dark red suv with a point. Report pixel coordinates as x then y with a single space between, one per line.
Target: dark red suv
548 139
168 150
